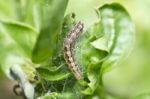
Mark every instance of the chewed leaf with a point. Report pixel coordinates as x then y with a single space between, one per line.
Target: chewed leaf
117 21
52 14
107 43
52 75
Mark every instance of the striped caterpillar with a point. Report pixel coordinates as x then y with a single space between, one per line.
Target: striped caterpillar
68 46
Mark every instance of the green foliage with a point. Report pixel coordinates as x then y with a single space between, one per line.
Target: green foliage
32 35
107 43
46 44
52 74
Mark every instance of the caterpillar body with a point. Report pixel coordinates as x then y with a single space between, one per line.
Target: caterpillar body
68 46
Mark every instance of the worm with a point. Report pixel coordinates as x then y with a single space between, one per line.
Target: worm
68 46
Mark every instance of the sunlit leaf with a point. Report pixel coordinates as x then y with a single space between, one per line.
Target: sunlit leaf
22 34
106 44
11 52
117 22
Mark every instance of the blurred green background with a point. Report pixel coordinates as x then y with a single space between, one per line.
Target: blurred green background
131 77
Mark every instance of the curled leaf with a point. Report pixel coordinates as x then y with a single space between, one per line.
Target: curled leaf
117 22
106 44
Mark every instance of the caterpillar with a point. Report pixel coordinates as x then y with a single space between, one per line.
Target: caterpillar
68 46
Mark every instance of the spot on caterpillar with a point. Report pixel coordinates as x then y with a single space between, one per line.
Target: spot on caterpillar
68 46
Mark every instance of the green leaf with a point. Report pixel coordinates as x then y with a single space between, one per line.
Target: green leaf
117 24
68 95
55 95
52 95
52 14
22 34
52 74
68 23
11 51
105 44
99 49
18 10
24 11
